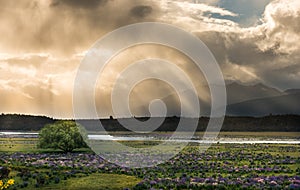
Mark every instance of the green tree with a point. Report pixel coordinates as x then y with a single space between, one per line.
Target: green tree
63 135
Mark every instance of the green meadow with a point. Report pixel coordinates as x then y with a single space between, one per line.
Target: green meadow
222 166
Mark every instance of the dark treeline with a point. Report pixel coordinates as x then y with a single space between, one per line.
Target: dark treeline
23 122
288 123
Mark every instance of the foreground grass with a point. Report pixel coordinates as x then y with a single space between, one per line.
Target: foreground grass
18 144
91 182
28 145
100 181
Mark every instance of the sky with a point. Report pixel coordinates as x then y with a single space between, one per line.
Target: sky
42 43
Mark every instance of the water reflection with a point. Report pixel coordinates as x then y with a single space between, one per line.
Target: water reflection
164 137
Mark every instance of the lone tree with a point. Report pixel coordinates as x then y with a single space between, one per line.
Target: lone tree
63 135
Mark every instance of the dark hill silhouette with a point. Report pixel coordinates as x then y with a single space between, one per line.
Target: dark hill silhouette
23 122
287 123
236 93
292 91
239 93
285 104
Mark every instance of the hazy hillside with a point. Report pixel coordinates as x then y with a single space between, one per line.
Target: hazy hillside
285 104
239 93
292 91
236 93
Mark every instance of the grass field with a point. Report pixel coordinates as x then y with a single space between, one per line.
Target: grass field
92 181
222 166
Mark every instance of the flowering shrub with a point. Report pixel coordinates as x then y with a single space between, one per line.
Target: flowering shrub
6 184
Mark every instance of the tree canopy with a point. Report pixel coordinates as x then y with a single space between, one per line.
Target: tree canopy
63 135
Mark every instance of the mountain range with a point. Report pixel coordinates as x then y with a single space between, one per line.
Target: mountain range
260 100
251 100
237 93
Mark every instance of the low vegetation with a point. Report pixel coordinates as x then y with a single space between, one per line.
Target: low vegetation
63 135
223 166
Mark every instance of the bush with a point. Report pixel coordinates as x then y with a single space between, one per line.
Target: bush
63 135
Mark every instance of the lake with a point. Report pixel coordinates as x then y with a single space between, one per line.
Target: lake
224 137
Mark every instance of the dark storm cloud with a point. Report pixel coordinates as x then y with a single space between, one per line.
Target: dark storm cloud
88 4
241 56
66 26
141 11
216 42
235 49
246 52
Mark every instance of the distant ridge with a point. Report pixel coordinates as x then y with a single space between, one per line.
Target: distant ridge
239 93
285 104
292 91
283 123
